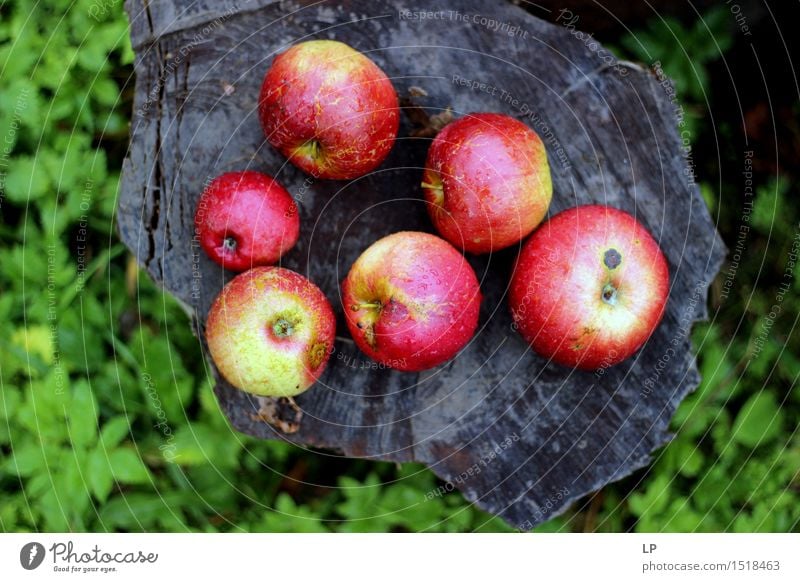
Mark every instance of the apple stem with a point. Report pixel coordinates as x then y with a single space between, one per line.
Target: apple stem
367 305
432 181
314 149
282 328
229 243
609 294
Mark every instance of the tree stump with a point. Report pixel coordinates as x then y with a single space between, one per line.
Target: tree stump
522 438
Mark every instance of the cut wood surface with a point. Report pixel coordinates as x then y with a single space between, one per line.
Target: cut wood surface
521 437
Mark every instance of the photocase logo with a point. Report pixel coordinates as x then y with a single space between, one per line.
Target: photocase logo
31 555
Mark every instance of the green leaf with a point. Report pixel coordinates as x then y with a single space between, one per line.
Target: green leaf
69 480
360 498
9 402
93 55
682 518
53 511
43 411
26 460
166 385
128 467
35 340
98 474
82 415
710 197
114 431
26 180
199 444
655 497
138 511
693 462
759 420
288 517
106 92
768 205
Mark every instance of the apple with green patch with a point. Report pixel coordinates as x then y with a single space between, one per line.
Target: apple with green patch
246 219
329 109
411 301
487 182
589 287
270 332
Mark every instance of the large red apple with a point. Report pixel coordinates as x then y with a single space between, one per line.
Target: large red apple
329 109
487 182
246 219
411 301
589 287
270 332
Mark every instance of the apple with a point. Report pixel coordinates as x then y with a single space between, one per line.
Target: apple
589 287
487 182
329 109
246 219
411 301
270 332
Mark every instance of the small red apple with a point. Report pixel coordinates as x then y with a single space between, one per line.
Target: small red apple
329 109
246 219
589 287
270 332
411 301
487 182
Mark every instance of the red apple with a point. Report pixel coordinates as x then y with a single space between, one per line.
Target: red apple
589 287
411 301
246 219
329 109
270 332
487 182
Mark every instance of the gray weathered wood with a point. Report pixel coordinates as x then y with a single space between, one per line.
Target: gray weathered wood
611 138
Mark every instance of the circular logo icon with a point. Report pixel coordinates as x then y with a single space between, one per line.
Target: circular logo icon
31 555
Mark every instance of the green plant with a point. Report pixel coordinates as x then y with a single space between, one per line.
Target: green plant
684 52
